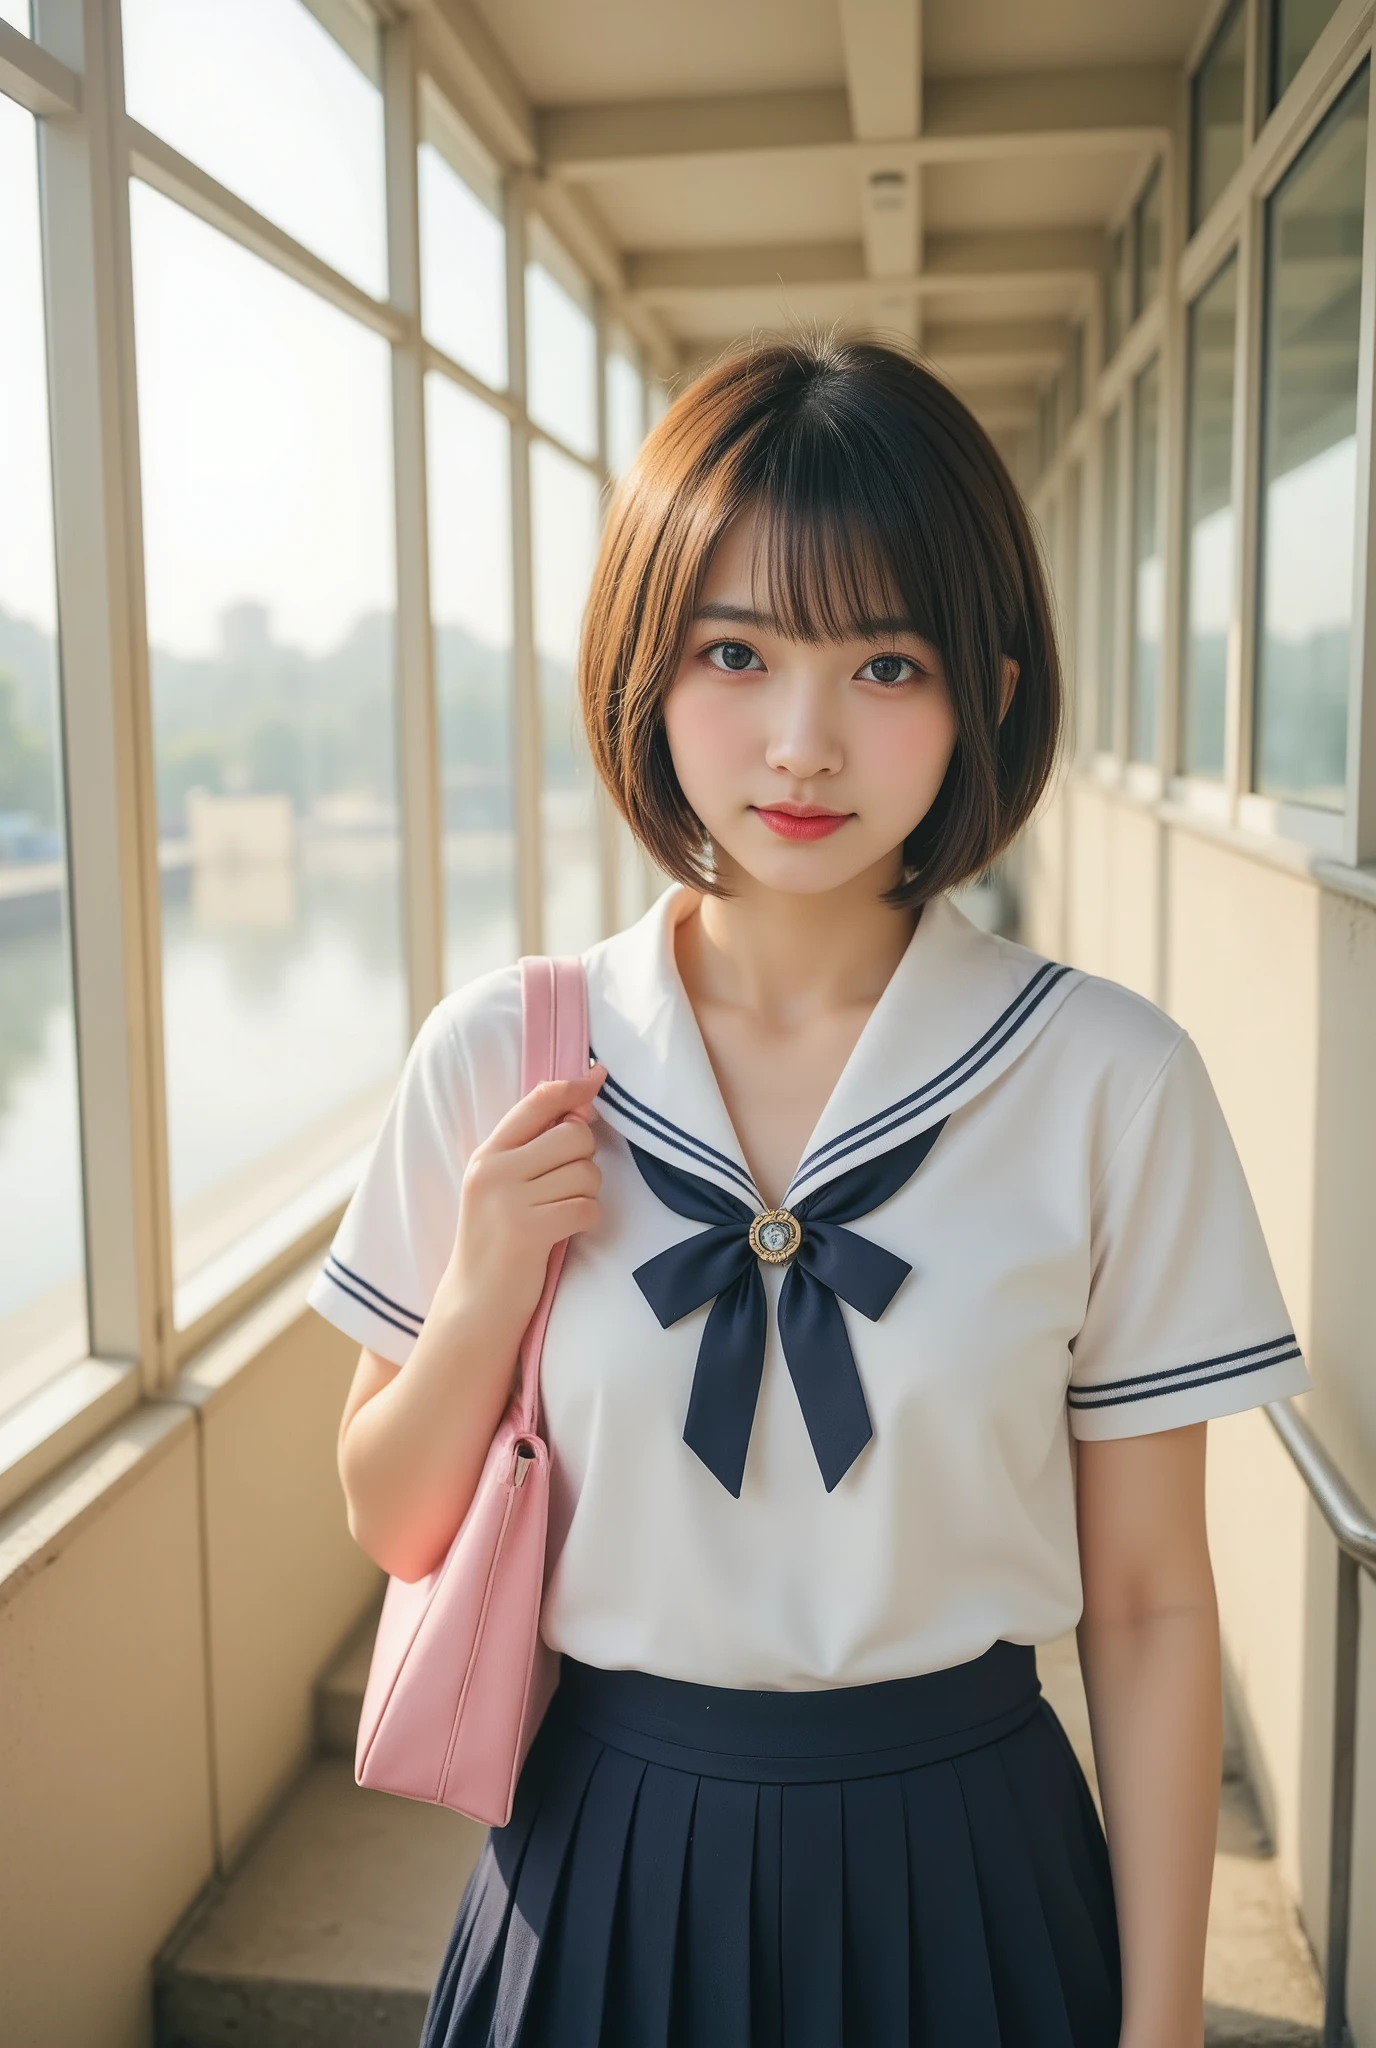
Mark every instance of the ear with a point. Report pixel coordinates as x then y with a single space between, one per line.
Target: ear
1011 673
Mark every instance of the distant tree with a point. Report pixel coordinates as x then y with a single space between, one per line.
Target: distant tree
28 768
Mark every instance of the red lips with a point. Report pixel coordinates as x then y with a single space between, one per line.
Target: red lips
807 821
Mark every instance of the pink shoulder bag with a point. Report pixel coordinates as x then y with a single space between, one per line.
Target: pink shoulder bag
460 1680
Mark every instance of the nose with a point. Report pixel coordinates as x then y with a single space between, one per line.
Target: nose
804 739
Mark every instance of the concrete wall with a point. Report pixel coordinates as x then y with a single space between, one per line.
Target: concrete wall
1273 973
166 1602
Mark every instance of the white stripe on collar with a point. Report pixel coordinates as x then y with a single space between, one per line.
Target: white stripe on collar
957 1011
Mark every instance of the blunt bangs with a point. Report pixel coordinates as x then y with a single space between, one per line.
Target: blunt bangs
881 505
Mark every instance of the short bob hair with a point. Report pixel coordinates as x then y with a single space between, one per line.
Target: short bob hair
879 495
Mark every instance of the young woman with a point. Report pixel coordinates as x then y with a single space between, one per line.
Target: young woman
906 1270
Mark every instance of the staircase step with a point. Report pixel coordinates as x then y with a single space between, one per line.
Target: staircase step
339 1691
330 1932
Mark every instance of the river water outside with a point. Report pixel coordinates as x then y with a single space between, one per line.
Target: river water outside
284 1028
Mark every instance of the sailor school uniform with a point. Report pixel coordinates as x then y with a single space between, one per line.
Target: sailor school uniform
812 1500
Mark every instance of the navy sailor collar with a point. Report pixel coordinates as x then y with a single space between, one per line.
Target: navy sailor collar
958 1009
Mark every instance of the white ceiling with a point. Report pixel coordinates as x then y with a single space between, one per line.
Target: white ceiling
725 149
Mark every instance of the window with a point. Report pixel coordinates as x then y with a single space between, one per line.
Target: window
1046 428
1076 378
564 506
1209 523
1108 582
1296 26
1117 293
267 480
263 97
1309 462
561 346
1216 113
462 245
1147 592
625 409
1147 224
470 602
42 1306
16 13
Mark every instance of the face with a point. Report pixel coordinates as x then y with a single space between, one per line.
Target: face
808 765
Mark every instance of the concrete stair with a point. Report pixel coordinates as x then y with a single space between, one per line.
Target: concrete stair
329 1932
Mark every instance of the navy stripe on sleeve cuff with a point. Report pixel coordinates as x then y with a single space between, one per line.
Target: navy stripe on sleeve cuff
372 1298
1180 1379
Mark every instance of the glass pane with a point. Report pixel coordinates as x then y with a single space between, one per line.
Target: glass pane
1297 26
42 1301
1148 238
1077 372
561 344
468 462
1117 294
625 412
462 249
1309 455
264 98
1209 522
1108 581
1147 564
1216 137
564 527
16 13
267 483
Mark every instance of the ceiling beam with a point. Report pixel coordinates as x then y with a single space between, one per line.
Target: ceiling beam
952 263
622 135
470 65
1124 110
882 41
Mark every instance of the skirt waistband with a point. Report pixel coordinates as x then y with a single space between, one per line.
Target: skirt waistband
797 1738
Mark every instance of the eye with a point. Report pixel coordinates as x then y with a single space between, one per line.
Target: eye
888 668
733 656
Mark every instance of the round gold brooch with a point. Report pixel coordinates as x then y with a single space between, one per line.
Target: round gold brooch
775 1235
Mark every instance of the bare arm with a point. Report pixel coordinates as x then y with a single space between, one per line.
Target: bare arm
413 1439
1150 1656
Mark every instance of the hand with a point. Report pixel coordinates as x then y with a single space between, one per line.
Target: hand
533 1182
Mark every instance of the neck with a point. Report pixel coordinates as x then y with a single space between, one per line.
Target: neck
788 956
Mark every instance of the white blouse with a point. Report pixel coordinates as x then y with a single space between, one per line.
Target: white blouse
1079 1253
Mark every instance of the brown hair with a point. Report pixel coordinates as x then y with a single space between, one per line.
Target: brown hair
875 485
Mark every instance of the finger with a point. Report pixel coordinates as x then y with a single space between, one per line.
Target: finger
579 1177
565 1141
580 1212
546 1103
590 1110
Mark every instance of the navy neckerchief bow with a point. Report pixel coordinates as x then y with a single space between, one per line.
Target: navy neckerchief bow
829 1260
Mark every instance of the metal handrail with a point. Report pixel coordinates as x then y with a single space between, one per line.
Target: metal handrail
1354 1530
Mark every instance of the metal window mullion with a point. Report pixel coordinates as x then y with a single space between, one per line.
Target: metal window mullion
1241 671
34 77
1359 818
1170 450
1125 540
526 749
418 749
1091 639
158 164
110 784
604 812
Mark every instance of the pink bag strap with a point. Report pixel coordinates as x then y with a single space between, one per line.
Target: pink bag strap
554 1047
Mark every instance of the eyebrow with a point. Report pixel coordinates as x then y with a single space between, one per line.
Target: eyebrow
745 615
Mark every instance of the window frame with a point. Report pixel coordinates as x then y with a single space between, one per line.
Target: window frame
70 75
1327 844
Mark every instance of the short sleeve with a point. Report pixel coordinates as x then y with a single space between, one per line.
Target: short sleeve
1185 1318
395 1237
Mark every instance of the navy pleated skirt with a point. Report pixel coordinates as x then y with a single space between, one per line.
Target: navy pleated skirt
916 1862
